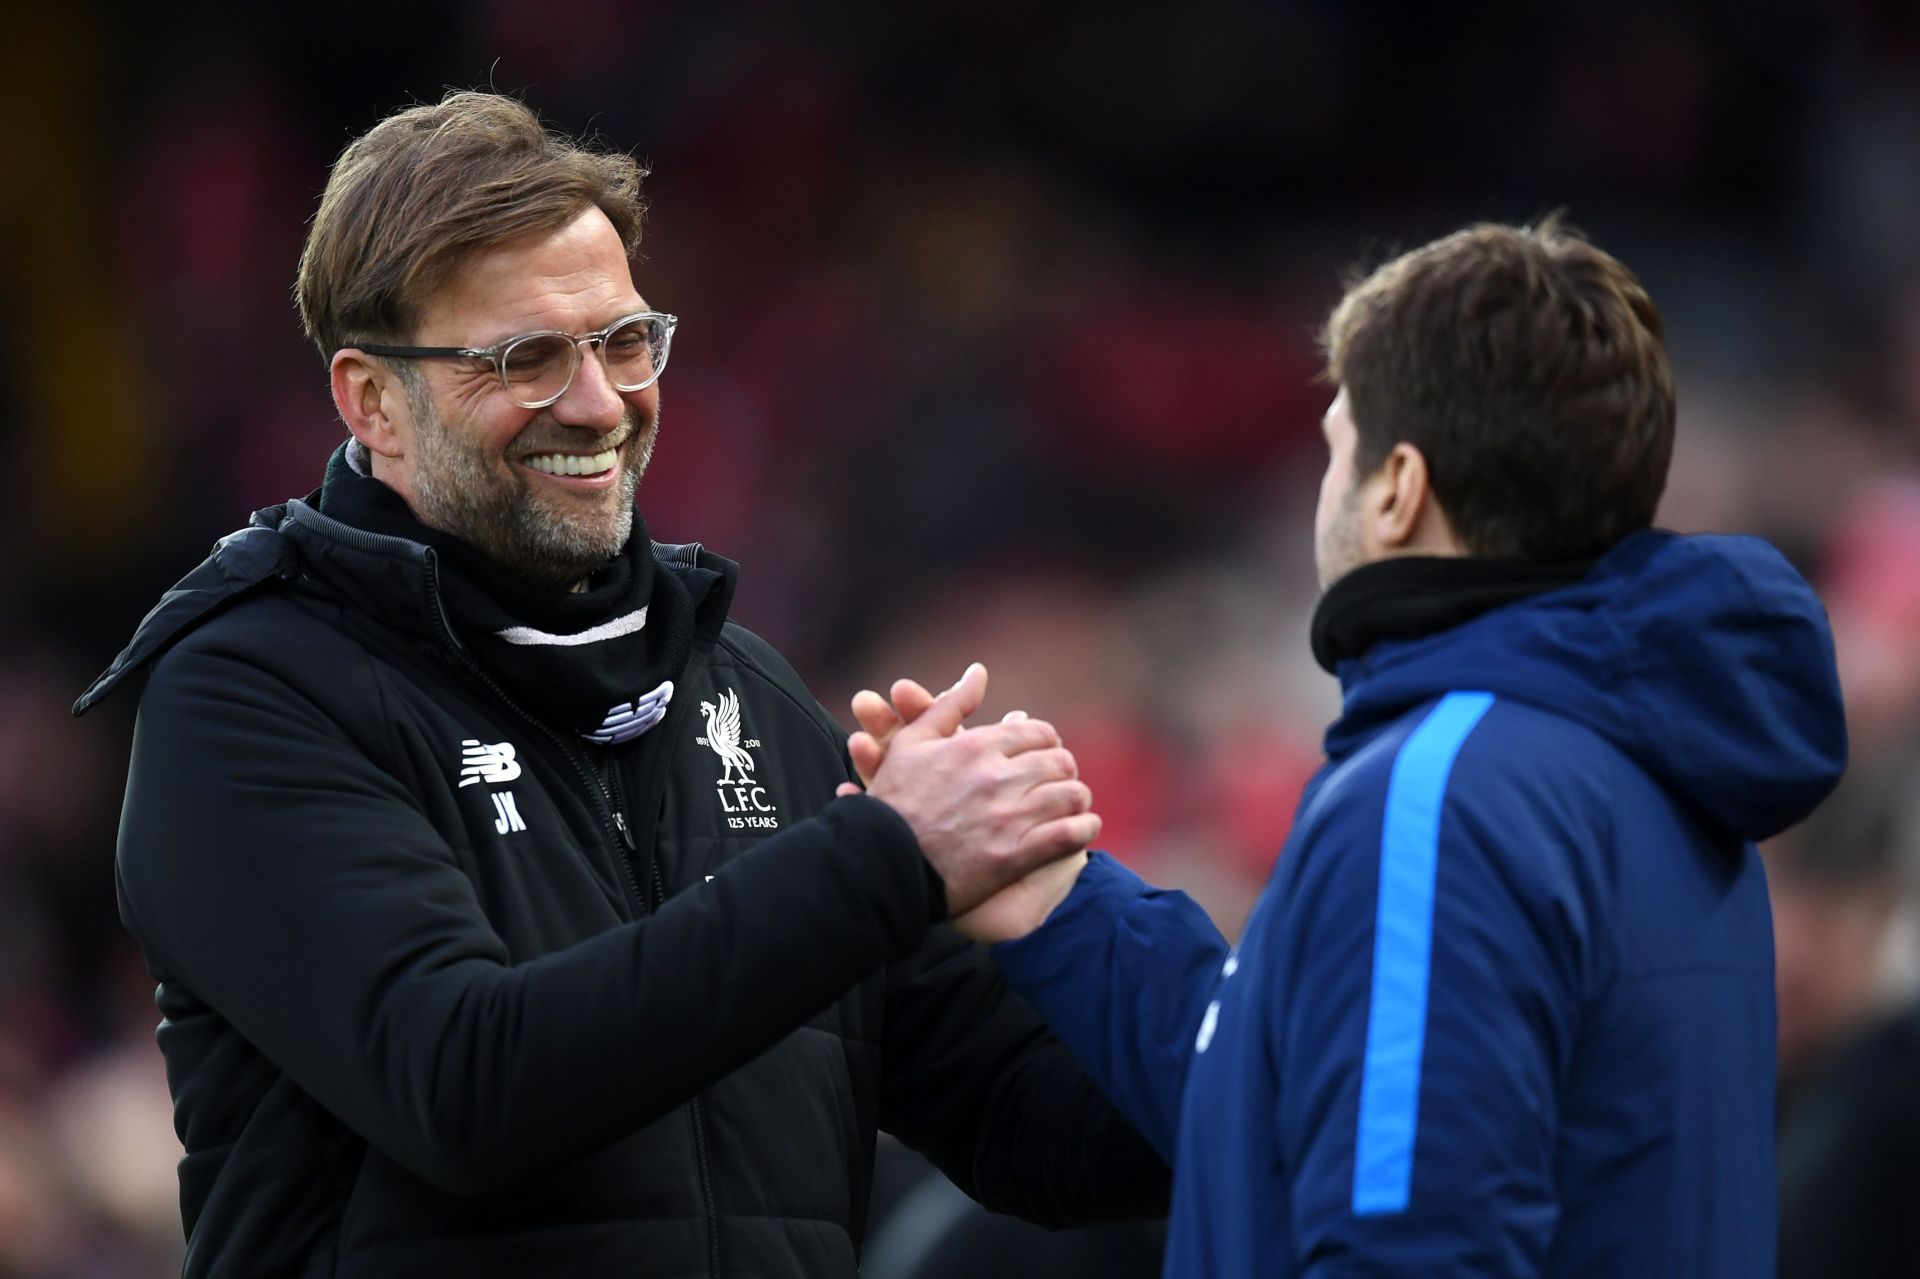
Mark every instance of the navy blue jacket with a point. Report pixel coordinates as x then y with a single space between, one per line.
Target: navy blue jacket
1506 1005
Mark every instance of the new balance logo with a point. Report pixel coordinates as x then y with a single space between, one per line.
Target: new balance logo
492 764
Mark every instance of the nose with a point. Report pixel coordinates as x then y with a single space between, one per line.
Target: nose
590 399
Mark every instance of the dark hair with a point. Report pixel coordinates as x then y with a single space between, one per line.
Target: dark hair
425 189
1528 368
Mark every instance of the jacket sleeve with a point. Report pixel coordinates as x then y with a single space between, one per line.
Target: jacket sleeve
1422 1001
973 1080
1122 971
271 868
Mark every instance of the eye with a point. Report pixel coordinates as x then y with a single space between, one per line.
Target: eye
534 360
633 352
628 339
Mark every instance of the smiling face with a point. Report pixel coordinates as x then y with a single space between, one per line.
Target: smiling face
546 493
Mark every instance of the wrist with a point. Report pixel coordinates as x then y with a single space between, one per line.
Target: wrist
1061 887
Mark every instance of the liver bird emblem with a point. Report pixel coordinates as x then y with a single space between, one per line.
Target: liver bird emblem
723 734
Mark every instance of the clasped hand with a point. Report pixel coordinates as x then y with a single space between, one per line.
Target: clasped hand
999 809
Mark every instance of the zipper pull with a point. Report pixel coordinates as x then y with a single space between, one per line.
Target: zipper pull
620 823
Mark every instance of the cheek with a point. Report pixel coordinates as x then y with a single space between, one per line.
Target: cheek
493 429
1332 489
643 404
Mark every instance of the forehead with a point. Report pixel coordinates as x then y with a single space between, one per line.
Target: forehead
574 279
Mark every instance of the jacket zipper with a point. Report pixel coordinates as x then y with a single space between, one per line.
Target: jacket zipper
696 1110
618 802
697 1118
614 821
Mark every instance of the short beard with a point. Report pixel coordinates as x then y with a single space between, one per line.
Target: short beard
460 492
1339 553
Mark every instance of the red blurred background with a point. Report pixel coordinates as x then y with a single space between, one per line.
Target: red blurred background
996 342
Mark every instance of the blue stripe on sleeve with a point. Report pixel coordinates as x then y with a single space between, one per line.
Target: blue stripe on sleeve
1402 949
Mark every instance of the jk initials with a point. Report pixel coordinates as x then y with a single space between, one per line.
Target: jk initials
506 813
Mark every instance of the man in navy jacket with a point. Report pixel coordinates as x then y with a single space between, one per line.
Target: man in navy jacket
1506 1005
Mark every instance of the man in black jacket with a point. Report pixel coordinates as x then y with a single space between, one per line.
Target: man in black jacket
504 918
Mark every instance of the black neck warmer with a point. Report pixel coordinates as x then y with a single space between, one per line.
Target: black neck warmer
600 662
1410 597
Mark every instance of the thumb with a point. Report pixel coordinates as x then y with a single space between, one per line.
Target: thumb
951 708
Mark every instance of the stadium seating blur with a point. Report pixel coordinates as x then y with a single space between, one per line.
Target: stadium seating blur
998 314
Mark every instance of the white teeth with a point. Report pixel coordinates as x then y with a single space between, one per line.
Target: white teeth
573 464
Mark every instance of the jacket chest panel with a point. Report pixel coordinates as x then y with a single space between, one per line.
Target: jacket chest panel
520 819
746 762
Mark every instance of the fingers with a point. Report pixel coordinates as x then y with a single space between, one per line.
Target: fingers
867 755
1033 743
1043 766
873 713
1019 736
845 789
1054 800
1049 842
880 719
1061 837
910 699
906 701
989 805
949 710
867 748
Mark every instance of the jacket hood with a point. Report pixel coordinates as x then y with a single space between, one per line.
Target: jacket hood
1707 659
239 564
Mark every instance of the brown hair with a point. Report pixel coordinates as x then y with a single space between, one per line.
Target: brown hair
1528 368
428 187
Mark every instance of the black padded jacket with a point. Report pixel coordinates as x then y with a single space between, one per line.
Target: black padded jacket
447 991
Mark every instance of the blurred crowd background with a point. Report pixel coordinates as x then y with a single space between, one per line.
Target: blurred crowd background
997 341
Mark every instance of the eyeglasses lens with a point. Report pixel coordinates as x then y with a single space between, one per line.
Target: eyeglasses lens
635 353
537 369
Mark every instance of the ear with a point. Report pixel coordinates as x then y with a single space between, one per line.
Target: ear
1403 499
371 402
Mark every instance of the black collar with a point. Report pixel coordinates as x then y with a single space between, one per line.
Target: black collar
1410 597
590 660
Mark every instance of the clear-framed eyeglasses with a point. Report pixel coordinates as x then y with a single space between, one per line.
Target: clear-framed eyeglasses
537 368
